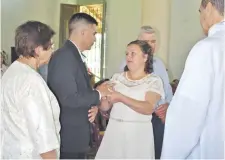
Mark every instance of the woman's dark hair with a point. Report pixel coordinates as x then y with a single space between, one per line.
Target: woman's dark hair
31 35
147 50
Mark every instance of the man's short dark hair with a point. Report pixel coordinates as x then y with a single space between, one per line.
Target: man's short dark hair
31 35
218 4
78 17
100 82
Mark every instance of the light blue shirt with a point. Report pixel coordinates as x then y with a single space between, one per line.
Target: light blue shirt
43 71
159 70
194 127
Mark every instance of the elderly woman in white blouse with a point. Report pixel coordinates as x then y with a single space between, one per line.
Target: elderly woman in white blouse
30 112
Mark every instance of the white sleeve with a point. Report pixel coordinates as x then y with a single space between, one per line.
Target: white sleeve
187 111
39 118
156 85
162 73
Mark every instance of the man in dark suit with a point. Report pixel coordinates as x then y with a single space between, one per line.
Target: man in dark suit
69 81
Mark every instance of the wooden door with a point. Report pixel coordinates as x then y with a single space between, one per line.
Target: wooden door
66 11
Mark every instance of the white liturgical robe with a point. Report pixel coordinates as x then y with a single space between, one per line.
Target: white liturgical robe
194 126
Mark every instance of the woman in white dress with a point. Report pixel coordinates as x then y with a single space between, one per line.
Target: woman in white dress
30 112
129 134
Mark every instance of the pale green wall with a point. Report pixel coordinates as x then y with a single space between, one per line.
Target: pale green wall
123 21
156 13
16 12
89 2
185 31
68 1
177 22
1 26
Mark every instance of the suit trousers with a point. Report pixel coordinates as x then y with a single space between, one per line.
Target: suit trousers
71 155
158 131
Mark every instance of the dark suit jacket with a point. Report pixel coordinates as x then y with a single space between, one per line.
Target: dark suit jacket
69 81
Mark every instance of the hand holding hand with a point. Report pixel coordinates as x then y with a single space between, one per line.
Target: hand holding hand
114 97
92 114
161 111
105 88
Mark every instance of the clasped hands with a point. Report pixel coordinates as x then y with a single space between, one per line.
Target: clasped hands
161 111
108 94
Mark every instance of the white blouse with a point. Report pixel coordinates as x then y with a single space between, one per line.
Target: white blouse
30 114
137 90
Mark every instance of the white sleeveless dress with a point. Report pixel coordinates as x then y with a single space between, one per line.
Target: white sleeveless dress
129 134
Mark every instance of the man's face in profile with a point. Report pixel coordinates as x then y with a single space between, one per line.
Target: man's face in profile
89 35
203 20
150 38
206 17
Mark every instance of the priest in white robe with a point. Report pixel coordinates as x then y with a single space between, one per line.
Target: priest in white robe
194 126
